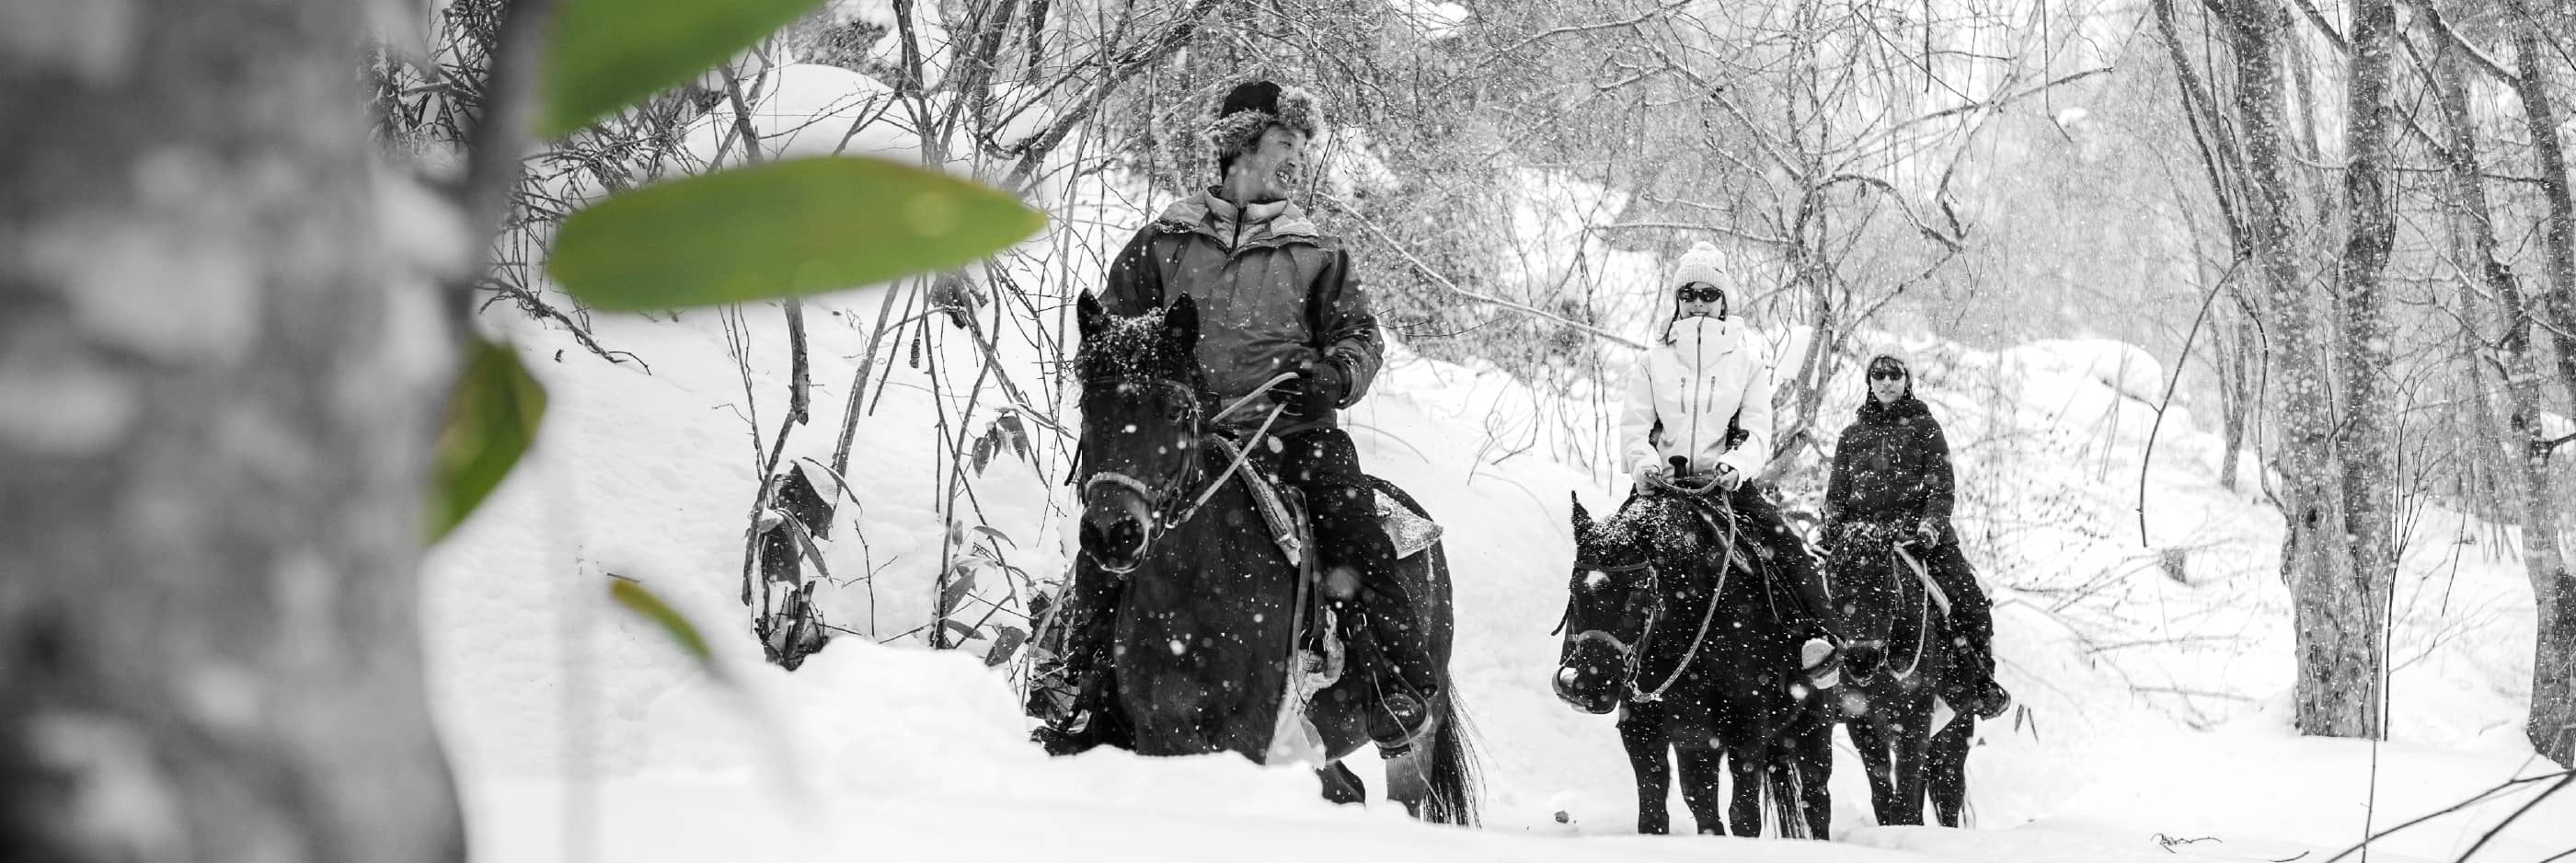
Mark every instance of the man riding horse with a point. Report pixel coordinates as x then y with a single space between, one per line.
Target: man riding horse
1274 295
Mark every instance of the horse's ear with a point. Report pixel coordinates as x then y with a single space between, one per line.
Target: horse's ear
1582 519
1089 315
1181 323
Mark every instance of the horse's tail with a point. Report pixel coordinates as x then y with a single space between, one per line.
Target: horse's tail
1457 785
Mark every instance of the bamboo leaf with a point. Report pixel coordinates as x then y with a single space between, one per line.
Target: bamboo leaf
603 55
961 581
983 452
805 541
1017 434
492 418
991 532
1006 639
787 228
645 604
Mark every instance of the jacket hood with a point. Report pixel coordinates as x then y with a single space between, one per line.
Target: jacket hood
1698 341
1282 219
1908 407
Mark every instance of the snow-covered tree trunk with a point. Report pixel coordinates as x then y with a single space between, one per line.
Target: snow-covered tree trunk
2552 725
2370 476
215 416
2337 693
2543 544
2236 396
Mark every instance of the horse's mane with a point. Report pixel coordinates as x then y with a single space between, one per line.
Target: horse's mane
1654 524
1137 348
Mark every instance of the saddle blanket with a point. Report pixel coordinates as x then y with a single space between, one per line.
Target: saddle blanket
1410 531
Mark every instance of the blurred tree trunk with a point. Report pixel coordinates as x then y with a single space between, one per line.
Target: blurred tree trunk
2552 725
219 405
2338 648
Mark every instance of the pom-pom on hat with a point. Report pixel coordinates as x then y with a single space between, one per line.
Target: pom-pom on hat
1257 105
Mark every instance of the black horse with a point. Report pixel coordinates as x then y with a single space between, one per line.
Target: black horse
1208 619
1673 614
1895 665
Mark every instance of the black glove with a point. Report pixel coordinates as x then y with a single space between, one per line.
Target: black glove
1316 390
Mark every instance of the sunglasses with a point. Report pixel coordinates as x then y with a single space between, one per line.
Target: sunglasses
1886 374
1700 295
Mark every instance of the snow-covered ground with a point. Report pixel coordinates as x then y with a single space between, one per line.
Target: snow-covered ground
2146 635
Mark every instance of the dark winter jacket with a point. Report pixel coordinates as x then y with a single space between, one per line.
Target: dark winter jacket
1273 294
1891 467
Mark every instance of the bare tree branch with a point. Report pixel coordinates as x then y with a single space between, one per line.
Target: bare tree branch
1033 152
1488 299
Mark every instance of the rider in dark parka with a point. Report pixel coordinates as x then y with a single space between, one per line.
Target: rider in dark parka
1892 480
1275 295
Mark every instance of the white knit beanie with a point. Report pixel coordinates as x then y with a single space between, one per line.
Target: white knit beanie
1704 264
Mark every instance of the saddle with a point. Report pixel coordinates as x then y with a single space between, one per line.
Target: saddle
1872 532
1321 655
1403 520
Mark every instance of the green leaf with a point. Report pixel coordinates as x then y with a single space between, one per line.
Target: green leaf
603 55
492 417
652 608
778 229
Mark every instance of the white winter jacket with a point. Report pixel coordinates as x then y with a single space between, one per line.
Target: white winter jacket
1682 393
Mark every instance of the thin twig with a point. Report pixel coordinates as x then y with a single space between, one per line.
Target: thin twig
494 160
1434 275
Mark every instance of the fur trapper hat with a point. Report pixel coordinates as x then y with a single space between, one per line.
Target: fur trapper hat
1254 106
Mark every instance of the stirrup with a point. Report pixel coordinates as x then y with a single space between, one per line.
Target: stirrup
1992 701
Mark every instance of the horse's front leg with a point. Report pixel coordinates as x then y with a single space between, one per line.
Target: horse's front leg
1650 756
1814 758
1700 771
1913 758
1870 736
1948 782
1744 765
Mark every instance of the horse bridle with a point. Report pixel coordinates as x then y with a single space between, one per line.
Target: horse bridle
1159 518
1897 558
1632 656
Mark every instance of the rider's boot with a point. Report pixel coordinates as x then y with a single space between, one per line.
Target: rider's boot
1820 655
1986 698
1385 626
1973 614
